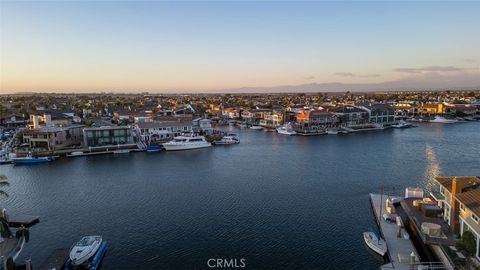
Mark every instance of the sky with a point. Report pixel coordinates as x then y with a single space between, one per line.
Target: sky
198 46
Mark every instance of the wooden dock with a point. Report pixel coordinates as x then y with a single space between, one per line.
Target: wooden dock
399 249
55 260
22 220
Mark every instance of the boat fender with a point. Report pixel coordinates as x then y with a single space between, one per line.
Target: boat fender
10 264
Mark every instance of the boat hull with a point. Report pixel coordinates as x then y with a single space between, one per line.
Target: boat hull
180 147
375 244
30 161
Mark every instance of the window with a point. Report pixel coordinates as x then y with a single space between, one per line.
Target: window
475 218
462 207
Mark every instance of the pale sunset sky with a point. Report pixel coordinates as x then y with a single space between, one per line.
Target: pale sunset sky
168 46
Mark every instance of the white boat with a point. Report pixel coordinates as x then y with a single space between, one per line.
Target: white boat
402 124
443 120
121 151
332 132
286 129
255 127
186 141
227 140
76 153
375 242
85 249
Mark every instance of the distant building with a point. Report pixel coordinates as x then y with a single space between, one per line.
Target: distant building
107 136
12 120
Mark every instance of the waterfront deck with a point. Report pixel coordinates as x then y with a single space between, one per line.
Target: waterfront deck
56 259
399 249
22 220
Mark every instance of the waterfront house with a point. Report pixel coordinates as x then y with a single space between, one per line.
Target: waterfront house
382 114
352 116
202 124
51 138
434 108
271 119
105 136
151 132
459 197
312 117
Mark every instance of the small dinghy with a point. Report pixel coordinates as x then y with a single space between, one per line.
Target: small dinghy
84 249
375 242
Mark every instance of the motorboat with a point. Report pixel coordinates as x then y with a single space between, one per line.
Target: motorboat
286 129
256 127
332 132
84 249
153 148
227 140
121 151
375 242
186 141
402 124
29 160
443 120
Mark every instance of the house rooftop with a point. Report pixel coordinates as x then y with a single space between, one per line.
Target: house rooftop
467 181
471 200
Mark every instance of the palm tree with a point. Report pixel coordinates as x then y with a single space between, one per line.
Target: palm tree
3 183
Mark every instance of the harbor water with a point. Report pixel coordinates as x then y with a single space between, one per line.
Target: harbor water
278 202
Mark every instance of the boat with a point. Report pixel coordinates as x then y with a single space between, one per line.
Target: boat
402 124
286 129
375 242
121 151
186 141
84 249
153 148
256 127
443 120
227 140
332 132
29 160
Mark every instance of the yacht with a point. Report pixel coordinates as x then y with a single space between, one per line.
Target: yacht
375 242
286 129
402 124
84 249
256 127
332 131
227 140
186 142
441 119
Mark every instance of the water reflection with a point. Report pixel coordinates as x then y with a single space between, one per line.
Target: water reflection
432 169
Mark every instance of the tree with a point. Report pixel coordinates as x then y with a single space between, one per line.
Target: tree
3 183
468 243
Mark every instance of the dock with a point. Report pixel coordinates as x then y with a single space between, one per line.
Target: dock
22 220
56 259
399 249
